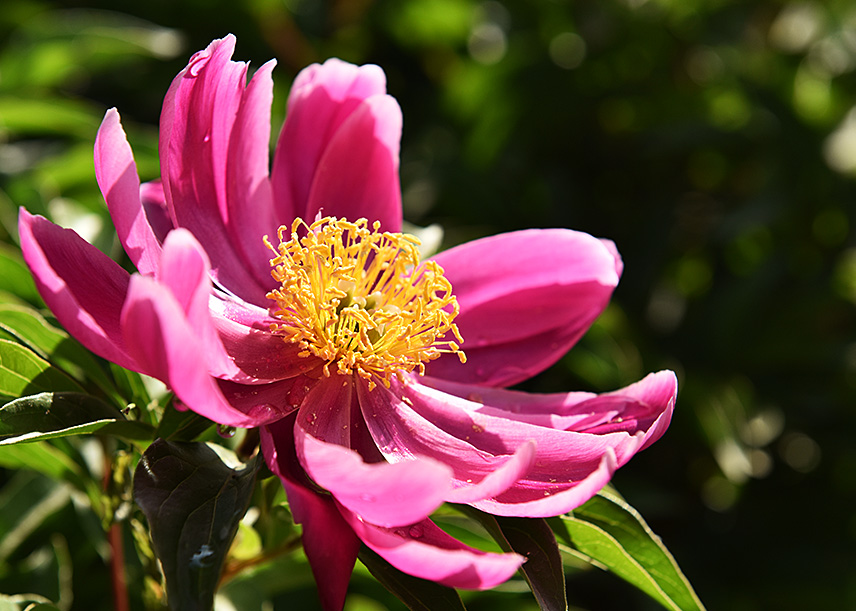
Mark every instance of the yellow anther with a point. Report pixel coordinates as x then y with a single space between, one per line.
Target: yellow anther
360 298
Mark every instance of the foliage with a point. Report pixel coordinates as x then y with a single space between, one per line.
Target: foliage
712 141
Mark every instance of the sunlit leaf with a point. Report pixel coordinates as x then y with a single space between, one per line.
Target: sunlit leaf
22 372
418 594
52 344
611 532
36 116
39 457
49 415
15 277
193 503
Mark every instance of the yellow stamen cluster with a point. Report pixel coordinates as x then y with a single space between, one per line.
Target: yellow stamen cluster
358 297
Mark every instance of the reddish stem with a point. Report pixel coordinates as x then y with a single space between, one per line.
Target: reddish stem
121 602
117 569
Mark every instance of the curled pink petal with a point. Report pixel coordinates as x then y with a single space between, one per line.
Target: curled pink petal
382 493
167 347
570 443
184 268
117 177
535 291
83 287
197 122
540 501
402 434
424 550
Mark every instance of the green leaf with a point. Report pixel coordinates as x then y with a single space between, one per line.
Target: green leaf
418 594
49 415
42 116
193 503
610 531
15 277
533 538
177 425
26 503
40 457
22 372
53 344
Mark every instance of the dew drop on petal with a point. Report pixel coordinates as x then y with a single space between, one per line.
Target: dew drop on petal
415 531
226 432
368 498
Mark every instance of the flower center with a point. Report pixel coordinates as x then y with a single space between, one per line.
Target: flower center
359 298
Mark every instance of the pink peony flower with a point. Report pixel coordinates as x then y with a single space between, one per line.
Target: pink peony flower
330 335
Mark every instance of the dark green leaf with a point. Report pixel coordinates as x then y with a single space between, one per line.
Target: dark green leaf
193 503
49 415
418 594
611 532
22 372
131 384
534 539
177 425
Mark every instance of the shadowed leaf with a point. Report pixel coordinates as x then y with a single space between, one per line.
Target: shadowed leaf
48 415
193 503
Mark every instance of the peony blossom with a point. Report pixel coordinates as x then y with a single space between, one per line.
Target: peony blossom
283 296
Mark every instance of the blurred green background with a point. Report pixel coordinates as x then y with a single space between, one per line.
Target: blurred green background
714 141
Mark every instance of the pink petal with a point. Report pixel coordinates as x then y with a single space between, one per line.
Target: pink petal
425 551
117 177
382 493
402 434
539 501
330 544
282 397
156 209
199 113
83 287
529 293
358 174
260 355
322 99
184 269
498 422
250 199
166 345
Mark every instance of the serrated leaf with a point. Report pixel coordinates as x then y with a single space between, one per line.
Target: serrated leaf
50 415
53 344
23 372
611 532
417 594
193 503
